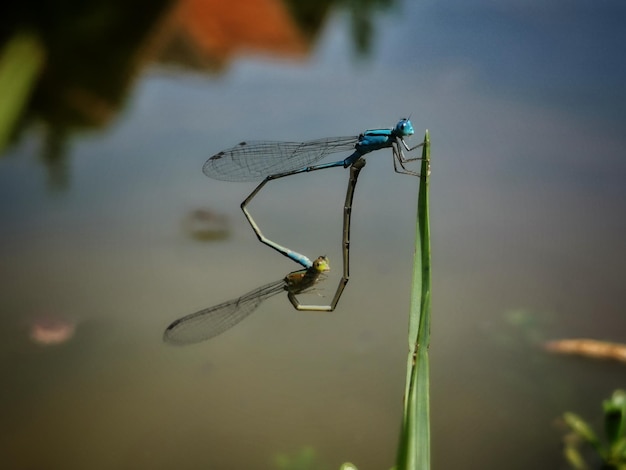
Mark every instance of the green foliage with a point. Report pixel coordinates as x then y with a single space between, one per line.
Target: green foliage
21 61
612 452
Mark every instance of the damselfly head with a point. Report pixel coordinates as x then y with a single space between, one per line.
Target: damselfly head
321 264
404 128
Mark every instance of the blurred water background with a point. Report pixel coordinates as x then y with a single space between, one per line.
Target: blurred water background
109 230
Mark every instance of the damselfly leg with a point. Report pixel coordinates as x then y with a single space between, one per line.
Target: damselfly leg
355 169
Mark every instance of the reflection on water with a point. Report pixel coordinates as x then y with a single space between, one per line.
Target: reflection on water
205 225
527 194
21 62
310 16
95 50
50 329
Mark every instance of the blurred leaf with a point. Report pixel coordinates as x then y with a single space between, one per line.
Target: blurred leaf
348 466
21 61
614 416
581 428
573 457
618 451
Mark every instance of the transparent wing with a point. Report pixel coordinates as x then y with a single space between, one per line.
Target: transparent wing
254 160
212 321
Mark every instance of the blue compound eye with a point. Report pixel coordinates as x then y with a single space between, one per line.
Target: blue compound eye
404 127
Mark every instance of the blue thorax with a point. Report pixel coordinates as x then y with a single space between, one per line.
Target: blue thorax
376 139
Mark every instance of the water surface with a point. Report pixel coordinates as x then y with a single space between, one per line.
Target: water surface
525 107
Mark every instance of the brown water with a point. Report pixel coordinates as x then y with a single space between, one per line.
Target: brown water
528 245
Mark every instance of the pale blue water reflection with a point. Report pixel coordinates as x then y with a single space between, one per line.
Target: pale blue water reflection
527 212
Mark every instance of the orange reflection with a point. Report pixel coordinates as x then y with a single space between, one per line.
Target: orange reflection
212 31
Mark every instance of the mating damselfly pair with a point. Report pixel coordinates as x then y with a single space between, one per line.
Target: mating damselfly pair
267 161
